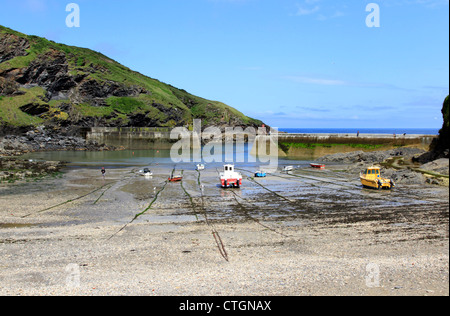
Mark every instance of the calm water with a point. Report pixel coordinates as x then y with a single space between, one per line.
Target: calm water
398 131
241 157
144 158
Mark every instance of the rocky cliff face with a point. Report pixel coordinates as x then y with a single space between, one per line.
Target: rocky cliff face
45 83
443 144
440 147
12 46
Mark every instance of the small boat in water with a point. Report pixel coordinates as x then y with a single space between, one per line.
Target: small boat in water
317 166
371 178
288 168
260 174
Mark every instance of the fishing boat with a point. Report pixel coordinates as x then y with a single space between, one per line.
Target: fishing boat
317 166
230 178
260 174
371 178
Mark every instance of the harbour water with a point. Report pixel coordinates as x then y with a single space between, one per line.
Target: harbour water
319 142
241 156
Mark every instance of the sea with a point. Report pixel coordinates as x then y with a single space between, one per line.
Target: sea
397 131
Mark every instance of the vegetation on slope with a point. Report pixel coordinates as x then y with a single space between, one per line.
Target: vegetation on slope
43 82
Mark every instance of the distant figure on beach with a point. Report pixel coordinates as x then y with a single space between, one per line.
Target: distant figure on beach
103 172
357 134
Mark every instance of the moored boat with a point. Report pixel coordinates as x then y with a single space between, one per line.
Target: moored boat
230 178
371 178
260 174
175 178
317 166
145 172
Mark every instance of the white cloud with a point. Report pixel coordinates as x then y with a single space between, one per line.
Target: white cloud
319 10
337 82
318 81
301 10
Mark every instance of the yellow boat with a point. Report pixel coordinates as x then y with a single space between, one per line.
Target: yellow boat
371 178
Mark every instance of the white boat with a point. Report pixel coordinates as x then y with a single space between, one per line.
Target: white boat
200 167
288 168
145 172
230 178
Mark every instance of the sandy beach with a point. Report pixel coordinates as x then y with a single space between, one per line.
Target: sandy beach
309 232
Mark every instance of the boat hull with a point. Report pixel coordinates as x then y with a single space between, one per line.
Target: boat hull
377 183
231 183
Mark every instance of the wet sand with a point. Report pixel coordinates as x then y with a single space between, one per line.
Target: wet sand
310 232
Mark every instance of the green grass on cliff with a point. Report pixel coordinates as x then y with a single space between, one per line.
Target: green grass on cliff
98 67
10 107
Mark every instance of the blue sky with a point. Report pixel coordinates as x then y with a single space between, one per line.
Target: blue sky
290 63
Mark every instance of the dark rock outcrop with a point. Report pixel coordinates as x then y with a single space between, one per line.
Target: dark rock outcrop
89 90
35 108
12 46
440 147
49 71
43 139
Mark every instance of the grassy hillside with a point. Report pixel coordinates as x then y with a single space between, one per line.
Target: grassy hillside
43 82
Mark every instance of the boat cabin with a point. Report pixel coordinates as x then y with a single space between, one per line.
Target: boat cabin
372 173
229 168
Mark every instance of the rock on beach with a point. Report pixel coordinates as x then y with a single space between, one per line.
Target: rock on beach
408 172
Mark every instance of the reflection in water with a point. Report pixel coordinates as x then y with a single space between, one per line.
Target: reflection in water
151 157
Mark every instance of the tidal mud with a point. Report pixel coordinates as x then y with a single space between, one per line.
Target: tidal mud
306 232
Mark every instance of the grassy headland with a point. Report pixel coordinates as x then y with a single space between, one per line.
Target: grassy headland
43 82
